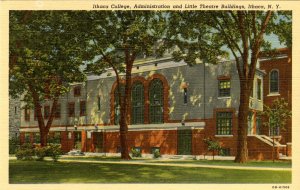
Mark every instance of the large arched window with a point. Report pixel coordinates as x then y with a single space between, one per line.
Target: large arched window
274 78
137 103
117 103
156 101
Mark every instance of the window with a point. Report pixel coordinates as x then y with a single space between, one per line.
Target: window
185 98
99 103
27 113
46 112
224 123
224 88
117 103
274 81
57 111
137 96
258 89
35 114
37 138
27 137
71 109
258 125
156 101
82 108
77 91
15 110
54 138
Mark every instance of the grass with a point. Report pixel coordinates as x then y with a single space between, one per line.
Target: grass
71 172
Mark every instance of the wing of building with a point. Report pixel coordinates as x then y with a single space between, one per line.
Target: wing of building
174 108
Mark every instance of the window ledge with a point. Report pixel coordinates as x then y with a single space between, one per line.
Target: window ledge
225 97
273 94
223 135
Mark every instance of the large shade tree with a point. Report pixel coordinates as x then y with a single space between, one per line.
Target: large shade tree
114 40
210 35
44 59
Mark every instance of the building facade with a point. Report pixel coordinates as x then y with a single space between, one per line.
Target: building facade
14 117
174 108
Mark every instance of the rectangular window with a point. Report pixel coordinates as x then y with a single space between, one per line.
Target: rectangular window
15 110
69 135
27 137
35 114
37 138
224 88
27 114
57 111
46 112
99 103
185 98
258 89
54 138
224 123
77 91
82 108
71 109
89 134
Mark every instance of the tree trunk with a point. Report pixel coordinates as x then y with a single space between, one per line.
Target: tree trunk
43 137
242 150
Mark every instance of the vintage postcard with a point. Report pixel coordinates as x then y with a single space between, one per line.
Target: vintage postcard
149 94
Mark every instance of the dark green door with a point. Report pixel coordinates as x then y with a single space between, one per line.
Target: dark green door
77 140
184 142
98 141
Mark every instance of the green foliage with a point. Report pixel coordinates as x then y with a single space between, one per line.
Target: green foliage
28 151
136 152
156 153
25 152
54 151
14 143
41 153
277 114
213 145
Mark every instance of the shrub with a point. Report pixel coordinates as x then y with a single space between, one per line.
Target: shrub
213 145
25 152
54 151
41 153
136 152
156 153
13 145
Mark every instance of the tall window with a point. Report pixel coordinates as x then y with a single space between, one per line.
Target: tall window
77 91
224 123
137 103
27 113
224 88
274 77
71 109
37 137
258 89
185 98
57 111
46 112
99 103
156 101
117 106
82 108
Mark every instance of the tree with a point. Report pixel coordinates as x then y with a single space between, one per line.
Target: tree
276 115
212 145
210 35
115 39
44 60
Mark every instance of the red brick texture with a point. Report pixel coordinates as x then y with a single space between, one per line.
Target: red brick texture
284 67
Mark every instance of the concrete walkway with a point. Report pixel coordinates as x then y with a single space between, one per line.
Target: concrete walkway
179 165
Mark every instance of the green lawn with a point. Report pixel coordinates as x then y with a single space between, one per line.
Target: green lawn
60 172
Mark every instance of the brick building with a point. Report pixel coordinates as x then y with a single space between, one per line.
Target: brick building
174 107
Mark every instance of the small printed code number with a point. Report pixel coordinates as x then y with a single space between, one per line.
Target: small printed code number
280 187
